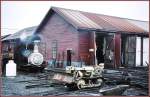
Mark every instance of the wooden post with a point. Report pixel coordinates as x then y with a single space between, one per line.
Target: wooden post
117 50
95 48
141 51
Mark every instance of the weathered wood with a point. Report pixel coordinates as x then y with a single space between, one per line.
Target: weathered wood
37 85
115 76
115 90
139 77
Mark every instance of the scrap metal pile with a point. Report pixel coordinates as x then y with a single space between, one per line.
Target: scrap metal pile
133 76
139 77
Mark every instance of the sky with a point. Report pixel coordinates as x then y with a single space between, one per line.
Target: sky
16 15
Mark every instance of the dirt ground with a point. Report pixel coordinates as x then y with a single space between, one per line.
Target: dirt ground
39 84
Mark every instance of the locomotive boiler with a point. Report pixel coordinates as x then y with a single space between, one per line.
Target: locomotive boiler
35 60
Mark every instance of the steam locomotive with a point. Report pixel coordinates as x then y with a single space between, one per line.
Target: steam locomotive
35 60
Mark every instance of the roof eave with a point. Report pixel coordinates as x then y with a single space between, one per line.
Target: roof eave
113 31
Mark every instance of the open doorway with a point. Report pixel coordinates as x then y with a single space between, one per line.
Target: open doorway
100 47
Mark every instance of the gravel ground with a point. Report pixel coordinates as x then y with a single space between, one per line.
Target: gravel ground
43 86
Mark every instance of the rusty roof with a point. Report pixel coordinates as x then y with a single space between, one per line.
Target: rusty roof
97 22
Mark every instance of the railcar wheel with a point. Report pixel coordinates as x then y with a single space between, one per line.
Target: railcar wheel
80 84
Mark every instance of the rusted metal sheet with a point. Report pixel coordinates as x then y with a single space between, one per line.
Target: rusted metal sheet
77 18
121 24
96 18
86 20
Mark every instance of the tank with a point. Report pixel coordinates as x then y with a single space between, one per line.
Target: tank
11 70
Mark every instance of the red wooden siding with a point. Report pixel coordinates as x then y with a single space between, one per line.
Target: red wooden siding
67 36
86 43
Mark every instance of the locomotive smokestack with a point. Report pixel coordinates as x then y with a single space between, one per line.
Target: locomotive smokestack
36 50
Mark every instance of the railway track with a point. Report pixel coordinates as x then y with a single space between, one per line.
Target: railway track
59 89
65 91
42 85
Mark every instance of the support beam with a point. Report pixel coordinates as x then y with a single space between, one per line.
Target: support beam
117 50
141 51
95 48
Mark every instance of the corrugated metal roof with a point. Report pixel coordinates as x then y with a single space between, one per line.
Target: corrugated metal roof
87 20
80 19
27 31
142 24
92 21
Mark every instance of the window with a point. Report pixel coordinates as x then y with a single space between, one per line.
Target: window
145 51
142 51
130 51
54 49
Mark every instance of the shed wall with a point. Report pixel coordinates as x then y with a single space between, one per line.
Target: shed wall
85 43
65 35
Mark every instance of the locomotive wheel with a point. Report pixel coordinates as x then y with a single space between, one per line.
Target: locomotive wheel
80 84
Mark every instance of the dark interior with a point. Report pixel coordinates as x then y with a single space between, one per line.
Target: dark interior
99 45
123 43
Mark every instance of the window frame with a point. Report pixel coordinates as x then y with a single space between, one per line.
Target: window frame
54 49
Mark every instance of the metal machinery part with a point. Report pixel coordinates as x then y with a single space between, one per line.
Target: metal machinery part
35 58
81 77
81 84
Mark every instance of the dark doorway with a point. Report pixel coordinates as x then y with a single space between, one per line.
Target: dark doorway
68 57
123 49
100 48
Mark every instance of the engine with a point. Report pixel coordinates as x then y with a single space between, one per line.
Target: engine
35 58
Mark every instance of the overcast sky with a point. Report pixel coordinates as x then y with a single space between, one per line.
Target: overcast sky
16 15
